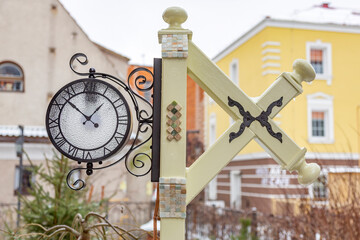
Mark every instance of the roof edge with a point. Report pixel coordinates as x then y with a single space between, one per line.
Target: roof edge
111 52
282 23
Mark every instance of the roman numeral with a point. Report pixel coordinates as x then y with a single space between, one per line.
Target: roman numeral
107 87
87 155
70 91
119 137
106 151
55 122
60 140
117 103
123 120
59 105
73 150
89 86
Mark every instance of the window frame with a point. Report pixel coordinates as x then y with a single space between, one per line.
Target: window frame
13 79
327 59
321 102
326 189
25 189
235 191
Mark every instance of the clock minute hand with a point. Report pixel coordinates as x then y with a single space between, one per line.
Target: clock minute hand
73 105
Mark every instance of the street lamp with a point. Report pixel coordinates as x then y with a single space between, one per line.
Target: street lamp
19 148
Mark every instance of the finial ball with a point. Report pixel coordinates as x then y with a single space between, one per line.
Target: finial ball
175 16
303 71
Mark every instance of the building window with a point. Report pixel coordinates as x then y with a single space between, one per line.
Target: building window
234 71
320 118
235 189
28 178
319 55
212 187
318 123
11 77
316 60
212 129
319 188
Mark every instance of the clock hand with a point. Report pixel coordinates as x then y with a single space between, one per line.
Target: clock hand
86 117
89 118
97 109
73 105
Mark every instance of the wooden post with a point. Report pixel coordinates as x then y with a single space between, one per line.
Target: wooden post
174 42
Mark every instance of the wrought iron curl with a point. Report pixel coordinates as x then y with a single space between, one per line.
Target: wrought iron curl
142 82
141 79
79 181
78 57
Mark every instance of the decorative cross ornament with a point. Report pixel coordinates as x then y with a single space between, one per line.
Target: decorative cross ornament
253 120
262 119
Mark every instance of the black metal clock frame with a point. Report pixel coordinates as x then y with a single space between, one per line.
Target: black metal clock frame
147 122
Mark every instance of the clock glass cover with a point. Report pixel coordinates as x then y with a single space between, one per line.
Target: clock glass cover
88 120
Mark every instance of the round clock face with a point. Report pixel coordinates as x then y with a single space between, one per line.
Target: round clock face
88 120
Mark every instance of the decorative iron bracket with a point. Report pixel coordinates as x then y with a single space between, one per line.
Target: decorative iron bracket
147 122
263 119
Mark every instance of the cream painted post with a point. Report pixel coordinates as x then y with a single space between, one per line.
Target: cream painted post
174 41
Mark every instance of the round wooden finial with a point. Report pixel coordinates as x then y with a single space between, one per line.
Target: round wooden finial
308 173
175 16
303 71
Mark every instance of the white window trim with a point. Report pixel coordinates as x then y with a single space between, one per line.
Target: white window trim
321 102
327 59
234 77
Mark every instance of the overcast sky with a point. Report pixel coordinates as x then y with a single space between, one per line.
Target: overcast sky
130 27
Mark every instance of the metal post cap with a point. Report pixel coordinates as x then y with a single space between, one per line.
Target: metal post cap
303 71
175 16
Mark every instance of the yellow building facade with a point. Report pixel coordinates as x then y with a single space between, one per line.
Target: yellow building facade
325 119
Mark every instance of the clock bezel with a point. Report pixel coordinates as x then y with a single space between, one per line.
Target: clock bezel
105 156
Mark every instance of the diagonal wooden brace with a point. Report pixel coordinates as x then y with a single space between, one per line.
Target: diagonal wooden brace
219 87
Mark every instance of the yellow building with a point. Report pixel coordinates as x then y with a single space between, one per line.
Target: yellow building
325 118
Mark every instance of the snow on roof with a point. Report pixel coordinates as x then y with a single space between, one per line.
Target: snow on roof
325 13
29 131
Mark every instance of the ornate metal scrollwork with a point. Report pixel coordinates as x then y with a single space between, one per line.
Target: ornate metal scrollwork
263 119
143 80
